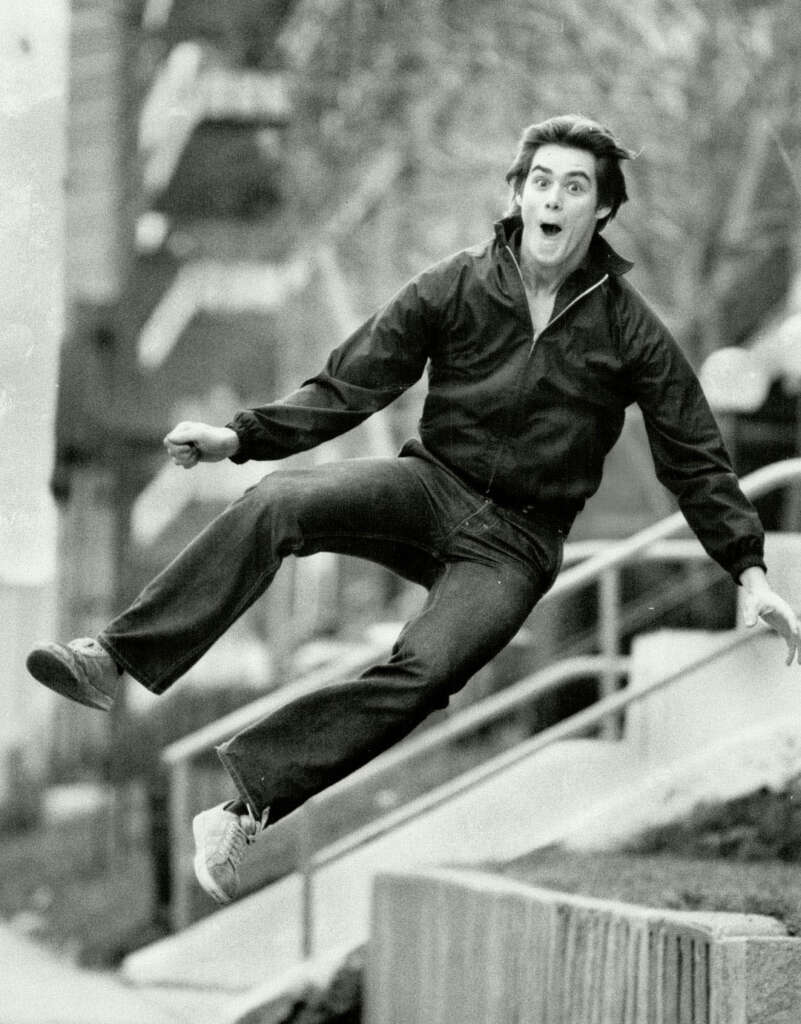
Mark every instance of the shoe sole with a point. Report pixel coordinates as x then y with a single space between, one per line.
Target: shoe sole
49 670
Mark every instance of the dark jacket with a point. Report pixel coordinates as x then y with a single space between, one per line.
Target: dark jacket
528 423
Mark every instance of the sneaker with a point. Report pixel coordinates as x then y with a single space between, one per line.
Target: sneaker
82 670
221 841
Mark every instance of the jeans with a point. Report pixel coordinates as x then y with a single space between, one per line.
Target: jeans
484 568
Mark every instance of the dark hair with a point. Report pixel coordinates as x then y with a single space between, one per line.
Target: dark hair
581 133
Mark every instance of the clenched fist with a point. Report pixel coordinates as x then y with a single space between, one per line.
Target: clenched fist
189 443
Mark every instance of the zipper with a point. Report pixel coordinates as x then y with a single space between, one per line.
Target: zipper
535 338
561 313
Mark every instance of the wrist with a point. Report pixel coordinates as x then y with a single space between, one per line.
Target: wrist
753 579
230 441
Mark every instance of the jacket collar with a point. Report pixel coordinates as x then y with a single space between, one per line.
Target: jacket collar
601 258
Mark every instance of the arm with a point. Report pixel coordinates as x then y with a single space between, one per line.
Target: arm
689 455
691 461
376 364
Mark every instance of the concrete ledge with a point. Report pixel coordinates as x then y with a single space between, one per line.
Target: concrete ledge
450 945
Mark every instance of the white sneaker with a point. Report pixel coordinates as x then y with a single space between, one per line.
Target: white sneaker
221 841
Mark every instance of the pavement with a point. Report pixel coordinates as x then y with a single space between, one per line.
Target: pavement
38 987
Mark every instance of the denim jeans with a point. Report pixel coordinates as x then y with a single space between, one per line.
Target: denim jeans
484 568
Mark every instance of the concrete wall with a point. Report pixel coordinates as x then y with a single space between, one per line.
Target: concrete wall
462 946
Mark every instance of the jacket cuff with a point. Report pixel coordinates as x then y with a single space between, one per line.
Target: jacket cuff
241 455
746 562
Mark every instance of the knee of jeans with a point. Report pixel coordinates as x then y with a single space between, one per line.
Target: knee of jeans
275 500
433 671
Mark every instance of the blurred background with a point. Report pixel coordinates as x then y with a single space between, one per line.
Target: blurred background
197 201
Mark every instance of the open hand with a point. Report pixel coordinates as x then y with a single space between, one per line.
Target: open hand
760 602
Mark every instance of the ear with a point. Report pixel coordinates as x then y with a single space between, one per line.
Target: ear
602 211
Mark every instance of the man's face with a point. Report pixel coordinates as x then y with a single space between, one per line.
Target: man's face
559 206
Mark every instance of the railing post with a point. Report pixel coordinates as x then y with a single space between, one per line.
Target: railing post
306 868
180 844
609 639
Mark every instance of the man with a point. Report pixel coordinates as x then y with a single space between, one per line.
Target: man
534 345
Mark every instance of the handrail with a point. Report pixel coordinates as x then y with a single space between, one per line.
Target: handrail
685 549
476 717
568 728
754 485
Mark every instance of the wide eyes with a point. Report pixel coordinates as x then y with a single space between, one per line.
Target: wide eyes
573 187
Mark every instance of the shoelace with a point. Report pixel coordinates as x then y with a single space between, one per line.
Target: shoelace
255 824
233 843
88 645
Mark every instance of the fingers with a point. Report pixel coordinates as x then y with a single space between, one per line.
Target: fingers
749 608
185 432
185 455
182 444
777 614
792 648
785 622
794 642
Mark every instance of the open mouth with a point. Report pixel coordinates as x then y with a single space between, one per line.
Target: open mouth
550 230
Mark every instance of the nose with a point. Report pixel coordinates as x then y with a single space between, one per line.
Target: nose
553 200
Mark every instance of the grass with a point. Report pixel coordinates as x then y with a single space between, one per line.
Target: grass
742 856
669 881
74 895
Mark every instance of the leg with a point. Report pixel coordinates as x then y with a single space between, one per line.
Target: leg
471 613
369 507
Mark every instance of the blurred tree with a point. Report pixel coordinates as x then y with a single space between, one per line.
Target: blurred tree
705 88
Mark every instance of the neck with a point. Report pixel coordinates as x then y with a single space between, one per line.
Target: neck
543 280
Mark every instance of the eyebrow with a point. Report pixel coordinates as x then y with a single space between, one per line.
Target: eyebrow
570 174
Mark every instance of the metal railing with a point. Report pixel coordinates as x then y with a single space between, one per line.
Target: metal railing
601 565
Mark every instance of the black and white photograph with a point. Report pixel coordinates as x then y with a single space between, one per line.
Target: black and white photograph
400 512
